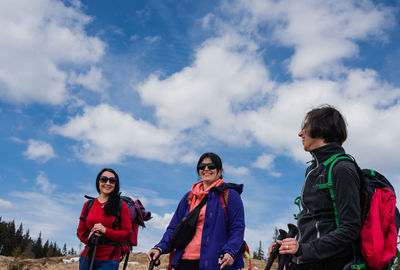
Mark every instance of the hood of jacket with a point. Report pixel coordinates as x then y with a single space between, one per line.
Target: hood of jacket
237 187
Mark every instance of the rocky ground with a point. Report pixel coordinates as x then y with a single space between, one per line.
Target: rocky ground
137 261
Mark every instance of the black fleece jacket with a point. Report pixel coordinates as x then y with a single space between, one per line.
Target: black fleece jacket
319 237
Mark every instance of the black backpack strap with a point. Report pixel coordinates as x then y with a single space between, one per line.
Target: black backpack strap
88 206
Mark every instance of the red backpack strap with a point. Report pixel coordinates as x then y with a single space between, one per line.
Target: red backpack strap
190 198
224 199
171 254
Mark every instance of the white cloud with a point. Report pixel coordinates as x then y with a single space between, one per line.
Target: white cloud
152 39
92 80
266 162
107 135
321 32
226 77
240 171
17 140
5 204
39 151
44 184
160 222
40 41
226 93
134 37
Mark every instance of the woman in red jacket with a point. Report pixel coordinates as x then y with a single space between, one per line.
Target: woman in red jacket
99 223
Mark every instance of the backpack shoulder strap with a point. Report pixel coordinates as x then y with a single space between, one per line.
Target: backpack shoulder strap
331 163
87 209
190 198
224 199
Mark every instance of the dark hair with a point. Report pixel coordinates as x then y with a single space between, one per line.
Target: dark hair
214 158
328 123
112 206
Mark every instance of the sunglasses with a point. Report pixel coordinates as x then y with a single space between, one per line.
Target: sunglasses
211 166
104 179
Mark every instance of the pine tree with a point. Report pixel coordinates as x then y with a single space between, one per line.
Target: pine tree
26 241
46 249
19 235
259 254
38 248
64 250
276 234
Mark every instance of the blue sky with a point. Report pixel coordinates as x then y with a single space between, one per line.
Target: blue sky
146 87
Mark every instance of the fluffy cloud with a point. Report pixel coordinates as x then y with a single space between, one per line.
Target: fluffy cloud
107 135
227 93
40 42
44 184
39 151
238 171
227 89
322 33
92 80
160 222
266 162
226 77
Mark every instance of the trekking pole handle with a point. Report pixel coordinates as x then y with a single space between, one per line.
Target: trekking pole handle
275 250
153 262
292 231
284 258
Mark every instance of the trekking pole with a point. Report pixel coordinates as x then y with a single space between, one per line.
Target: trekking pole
126 261
284 259
153 262
275 250
96 242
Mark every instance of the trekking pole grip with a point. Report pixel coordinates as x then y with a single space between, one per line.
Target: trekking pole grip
275 250
284 258
153 262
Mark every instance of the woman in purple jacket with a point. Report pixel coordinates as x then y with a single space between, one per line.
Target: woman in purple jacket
220 226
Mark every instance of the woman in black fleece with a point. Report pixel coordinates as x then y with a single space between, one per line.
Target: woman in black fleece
321 244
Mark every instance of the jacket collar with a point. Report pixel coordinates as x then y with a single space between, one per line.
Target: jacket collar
324 152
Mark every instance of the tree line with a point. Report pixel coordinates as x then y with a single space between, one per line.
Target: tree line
14 242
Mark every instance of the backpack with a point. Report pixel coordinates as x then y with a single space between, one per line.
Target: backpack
380 219
138 216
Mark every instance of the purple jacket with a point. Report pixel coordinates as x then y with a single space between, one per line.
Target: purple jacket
222 232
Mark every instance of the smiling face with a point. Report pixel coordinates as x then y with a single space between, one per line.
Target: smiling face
107 187
207 175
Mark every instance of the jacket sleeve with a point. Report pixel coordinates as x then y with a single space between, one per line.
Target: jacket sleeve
120 235
236 224
179 214
82 231
347 191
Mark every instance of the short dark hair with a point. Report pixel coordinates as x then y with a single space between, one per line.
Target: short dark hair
328 123
214 158
112 206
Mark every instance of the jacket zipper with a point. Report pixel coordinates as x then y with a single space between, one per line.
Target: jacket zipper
305 182
302 194
317 229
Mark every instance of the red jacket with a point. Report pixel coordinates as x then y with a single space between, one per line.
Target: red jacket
97 215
